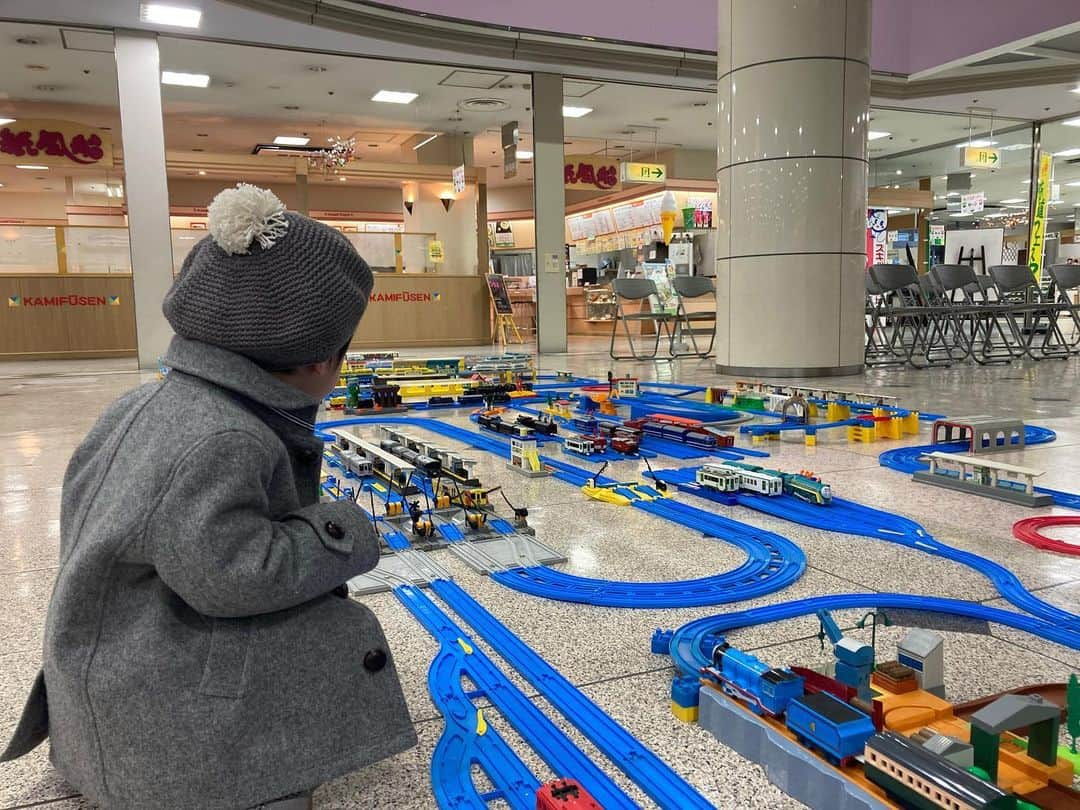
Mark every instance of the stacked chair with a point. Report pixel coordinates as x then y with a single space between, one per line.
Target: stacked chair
951 315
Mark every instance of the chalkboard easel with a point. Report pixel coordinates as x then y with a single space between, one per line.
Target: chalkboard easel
504 310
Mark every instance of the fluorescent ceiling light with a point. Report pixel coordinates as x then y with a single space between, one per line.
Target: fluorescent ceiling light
34 167
1012 200
977 143
953 194
184 79
1074 183
1027 182
1016 147
291 140
1072 122
395 96
1068 153
955 215
1075 89
899 171
523 154
160 14
426 141
6 121
873 136
575 112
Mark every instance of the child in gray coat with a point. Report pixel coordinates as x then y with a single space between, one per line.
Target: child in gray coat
200 649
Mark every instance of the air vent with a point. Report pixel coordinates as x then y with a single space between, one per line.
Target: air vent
47 88
576 89
27 41
76 39
473 79
483 105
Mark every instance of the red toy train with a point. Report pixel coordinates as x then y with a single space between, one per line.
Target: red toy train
565 794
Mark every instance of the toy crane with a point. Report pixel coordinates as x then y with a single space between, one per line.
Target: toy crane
854 659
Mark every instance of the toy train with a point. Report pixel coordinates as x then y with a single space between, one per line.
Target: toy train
824 723
585 445
917 777
820 721
622 439
494 422
426 464
541 424
674 428
730 476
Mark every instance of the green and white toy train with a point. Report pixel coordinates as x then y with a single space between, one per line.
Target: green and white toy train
731 476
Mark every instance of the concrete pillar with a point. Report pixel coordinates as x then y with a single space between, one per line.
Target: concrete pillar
138 78
549 205
794 94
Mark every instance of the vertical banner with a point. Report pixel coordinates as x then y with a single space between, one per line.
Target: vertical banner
877 226
1036 238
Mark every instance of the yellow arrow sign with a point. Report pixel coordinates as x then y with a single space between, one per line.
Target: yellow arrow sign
644 172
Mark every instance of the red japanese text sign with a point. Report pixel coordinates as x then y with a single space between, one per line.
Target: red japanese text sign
54 143
590 172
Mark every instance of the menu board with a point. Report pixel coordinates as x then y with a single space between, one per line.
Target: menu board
624 217
580 228
603 222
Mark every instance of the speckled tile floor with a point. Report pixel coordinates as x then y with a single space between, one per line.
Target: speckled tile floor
605 651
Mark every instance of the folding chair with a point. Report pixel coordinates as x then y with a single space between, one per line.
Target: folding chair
1065 279
636 290
904 317
980 323
692 288
1020 297
876 345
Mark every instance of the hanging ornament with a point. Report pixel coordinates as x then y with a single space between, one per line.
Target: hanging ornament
336 156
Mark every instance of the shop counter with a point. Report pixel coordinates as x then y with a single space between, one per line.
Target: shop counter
412 310
76 315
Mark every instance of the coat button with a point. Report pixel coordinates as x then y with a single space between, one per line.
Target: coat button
334 530
374 660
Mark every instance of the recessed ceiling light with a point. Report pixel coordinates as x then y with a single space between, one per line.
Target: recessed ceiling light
899 171
523 154
1075 89
342 179
873 136
1067 153
1012 200
160 14
31 167
180 79
575 112
977 143
291 140
394 97
202 171
1 185
6 121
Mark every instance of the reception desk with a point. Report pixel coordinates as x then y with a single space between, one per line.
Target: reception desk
79 315
413 310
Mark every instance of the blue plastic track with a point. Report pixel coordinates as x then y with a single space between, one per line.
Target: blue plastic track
849 517
651 774
444 681
773 562
689 655
906 460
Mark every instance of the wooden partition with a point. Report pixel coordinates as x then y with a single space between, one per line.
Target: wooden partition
425 309
66 316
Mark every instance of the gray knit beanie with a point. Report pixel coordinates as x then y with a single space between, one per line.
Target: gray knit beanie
279 288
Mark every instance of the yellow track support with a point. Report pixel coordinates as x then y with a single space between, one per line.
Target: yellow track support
688 714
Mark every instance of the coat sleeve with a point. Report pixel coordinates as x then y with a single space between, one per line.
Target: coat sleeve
214 543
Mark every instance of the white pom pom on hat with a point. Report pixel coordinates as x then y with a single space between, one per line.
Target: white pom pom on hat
239 216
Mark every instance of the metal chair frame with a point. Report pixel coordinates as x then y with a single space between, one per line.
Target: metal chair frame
636 289
1021 298
693 287
1065 278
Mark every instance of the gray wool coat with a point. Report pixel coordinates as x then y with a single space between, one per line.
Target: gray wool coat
196 653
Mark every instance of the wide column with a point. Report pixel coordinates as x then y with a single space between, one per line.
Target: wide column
794 94
138 78
549 206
